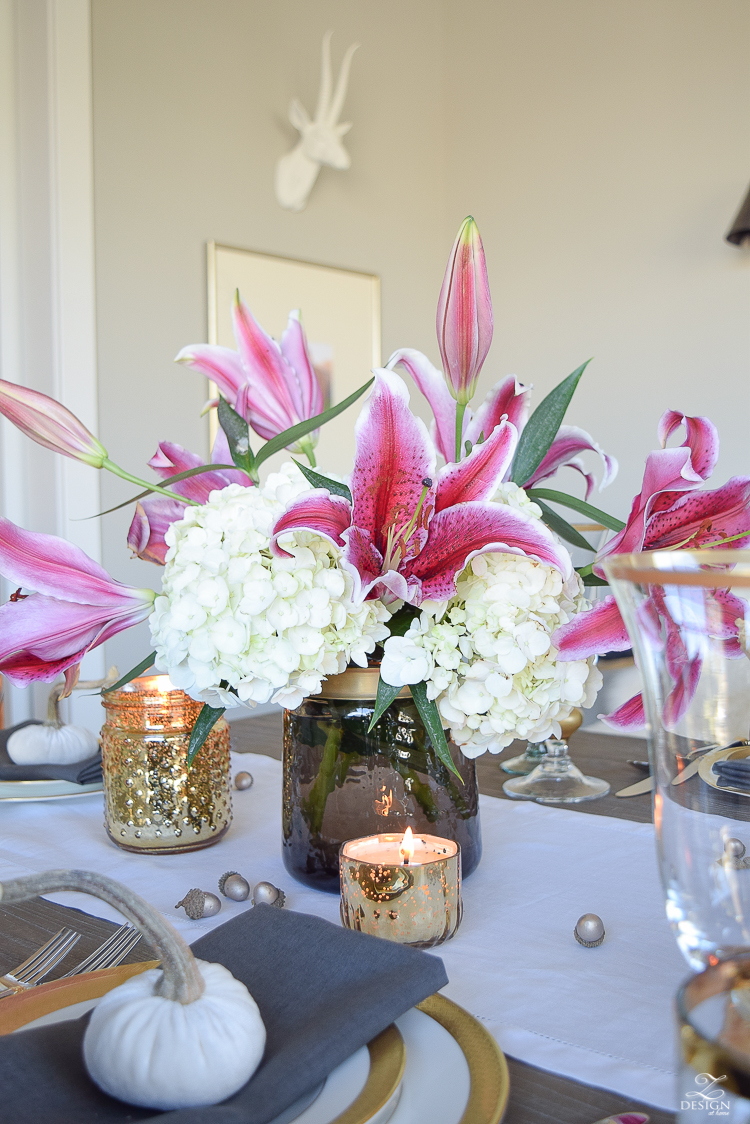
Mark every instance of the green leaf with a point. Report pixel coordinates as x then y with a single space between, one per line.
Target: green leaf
319 481
541 428
428 712
593 579
204 724
580 506
291 436
561 527
169 480
144 665
238 438
386 694
400 621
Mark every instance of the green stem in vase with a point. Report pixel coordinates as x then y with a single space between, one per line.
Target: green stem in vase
427 761
314 807
418 789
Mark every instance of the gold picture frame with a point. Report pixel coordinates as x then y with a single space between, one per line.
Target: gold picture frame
340 312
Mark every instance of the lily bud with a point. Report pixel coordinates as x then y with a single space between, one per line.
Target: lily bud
464 314
50 424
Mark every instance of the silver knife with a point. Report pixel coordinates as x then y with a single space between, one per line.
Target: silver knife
637 789
694 765
688 772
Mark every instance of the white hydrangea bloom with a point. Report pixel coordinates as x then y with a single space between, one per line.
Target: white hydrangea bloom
230 612
488 656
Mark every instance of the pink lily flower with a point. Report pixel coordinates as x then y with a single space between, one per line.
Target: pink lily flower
155 514
464 313
508 398
408 530
75 607
562 453
50 424
668 514
273 386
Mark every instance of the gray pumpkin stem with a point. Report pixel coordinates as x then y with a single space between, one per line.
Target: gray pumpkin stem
181 980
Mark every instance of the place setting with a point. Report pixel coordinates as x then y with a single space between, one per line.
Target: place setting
340 924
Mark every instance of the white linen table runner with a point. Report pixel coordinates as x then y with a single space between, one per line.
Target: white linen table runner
603 1016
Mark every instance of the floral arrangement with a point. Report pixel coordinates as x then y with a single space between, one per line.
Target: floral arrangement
454 577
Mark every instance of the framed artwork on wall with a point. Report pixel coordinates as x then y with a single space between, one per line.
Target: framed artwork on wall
340 311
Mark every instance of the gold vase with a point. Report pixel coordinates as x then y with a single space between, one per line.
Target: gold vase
152 801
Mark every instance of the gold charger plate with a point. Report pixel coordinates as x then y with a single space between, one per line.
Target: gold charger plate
488 1069
705 767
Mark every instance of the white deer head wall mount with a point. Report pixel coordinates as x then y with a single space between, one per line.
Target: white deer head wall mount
320 138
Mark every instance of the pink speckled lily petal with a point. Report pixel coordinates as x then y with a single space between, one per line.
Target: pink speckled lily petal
220 364
598 630
701 438
435 389
570 441
393 460
703 518
508 398
52 566
460 533
150 523
318 511
294 349
629 716
477 476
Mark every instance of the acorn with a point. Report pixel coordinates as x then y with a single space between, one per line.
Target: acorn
265 893
200 903
233 885
243 780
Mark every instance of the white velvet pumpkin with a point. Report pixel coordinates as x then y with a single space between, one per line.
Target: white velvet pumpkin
157 1053
180 1036
51 745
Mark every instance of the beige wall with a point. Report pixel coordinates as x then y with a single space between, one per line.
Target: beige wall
602 146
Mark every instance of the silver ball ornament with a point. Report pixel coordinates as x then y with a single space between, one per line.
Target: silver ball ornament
200 903
589 930
233 885
735 848
243 781
265 893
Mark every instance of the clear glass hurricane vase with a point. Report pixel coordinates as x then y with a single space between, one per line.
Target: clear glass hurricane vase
687 614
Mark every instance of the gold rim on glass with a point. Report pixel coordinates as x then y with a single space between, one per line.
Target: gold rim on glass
705 1055
657 567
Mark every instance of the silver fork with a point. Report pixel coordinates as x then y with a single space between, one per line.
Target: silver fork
110 954
39 963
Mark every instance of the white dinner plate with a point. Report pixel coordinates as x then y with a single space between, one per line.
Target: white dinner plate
16 791
435 1086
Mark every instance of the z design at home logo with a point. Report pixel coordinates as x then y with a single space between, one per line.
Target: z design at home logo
708 1096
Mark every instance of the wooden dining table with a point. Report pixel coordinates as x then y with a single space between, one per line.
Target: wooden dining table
537 1096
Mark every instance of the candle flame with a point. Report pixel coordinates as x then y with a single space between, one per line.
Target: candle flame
407 847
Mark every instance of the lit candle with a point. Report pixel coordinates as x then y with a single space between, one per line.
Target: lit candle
404 887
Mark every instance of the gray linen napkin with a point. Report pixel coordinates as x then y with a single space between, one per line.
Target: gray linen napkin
82 772
322 992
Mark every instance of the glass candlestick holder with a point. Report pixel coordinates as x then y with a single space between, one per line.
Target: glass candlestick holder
556 780
525 763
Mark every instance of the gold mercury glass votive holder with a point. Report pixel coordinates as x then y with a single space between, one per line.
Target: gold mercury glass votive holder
152 801
416 903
